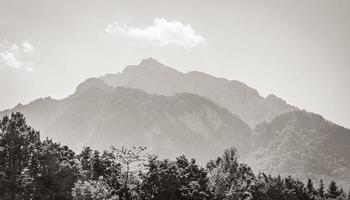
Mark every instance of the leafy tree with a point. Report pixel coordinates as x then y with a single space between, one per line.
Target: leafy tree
172 180
18 157
57 172
92 190
192 178
230 179
91 164
111 171
132 163
160 182
85 158
94 166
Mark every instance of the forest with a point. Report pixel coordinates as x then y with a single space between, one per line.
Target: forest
34 168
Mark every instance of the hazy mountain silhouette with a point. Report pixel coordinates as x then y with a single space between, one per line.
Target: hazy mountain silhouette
154 77
98 115
196 118
304 145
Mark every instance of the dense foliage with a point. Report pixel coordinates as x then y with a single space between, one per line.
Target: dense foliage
35 169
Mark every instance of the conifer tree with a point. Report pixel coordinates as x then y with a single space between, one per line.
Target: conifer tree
310 187
320 190
333 191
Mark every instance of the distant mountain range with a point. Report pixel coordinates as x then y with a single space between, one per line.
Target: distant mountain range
194 114
98 115
154 77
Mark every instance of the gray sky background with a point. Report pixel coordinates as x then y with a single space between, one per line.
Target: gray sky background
297 49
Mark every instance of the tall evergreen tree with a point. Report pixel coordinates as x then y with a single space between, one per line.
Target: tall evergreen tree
321 190
310 186
310 189
333 191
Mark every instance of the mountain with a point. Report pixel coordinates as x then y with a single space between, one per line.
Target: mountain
98 115
302 144
154 77
197 115
38 113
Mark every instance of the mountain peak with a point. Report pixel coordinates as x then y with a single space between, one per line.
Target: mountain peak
148 65
155 77
149 61
91 83
151 65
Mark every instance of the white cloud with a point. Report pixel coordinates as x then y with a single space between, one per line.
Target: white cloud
14 55
161 32
27 47
9 59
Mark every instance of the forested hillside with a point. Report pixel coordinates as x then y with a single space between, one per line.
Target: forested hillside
31 168
303 144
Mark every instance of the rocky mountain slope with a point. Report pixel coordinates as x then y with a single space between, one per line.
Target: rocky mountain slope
303 145
98 115
154 77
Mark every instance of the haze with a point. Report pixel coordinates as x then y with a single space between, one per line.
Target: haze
298 50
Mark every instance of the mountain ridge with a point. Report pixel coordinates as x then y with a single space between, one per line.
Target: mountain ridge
98 115
155 77
304 145
174 113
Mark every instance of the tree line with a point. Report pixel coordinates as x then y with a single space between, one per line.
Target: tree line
33 169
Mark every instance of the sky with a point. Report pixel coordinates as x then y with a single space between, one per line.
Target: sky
298 50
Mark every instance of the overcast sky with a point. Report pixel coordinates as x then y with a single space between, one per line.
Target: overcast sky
298 50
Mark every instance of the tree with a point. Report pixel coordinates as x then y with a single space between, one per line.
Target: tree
230 179
161 180
192 179
45 170
85 158
57 172
18 157
132 162
320 190
310 189
91 163
333 191
111 171
92 190
173 180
